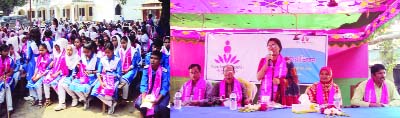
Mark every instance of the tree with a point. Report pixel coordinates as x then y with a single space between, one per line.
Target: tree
8 5
388 55
123 2
165 15
387 42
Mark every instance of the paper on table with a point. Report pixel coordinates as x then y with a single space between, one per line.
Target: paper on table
227 103
147 103
304 99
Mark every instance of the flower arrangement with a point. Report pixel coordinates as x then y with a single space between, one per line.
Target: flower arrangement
331 110
250 108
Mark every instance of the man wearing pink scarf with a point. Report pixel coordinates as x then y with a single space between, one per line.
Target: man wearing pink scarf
376 91
196 89
230 84
154 83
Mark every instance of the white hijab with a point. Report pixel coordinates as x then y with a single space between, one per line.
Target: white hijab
72 60
14 42
108 33
62 43
119 43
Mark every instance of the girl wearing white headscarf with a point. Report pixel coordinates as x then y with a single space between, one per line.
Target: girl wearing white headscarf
13 44
130 60
116 41
58 69
72 60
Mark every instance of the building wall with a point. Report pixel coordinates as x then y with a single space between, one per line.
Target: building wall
131 10
102 9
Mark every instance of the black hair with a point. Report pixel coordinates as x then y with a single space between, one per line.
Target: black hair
377 67
90 45
84 37
74 32
195 65
223 68
277 41
100 40
132 37
158 43
87 39
56 21
34 34
118 35
109 45
125 29
44 46
167 38
158 54
48 33
125 38
108 37
94 29
10 46
4 47
143 30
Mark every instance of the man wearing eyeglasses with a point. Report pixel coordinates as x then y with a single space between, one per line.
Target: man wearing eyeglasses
230 85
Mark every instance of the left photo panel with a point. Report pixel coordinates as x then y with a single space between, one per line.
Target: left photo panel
84 58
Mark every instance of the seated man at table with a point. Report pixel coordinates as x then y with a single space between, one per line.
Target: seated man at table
376 91
154 87
196 89
230 84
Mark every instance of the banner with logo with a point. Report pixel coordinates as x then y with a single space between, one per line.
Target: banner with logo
245 50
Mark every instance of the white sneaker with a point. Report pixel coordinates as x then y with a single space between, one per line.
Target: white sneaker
74 102
29 98
10 109
60 107
112 107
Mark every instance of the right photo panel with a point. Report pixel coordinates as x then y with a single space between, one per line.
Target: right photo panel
284 58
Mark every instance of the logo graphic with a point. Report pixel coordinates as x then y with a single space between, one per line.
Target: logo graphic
227 58
304 40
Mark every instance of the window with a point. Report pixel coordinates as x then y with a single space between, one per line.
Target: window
118 10
63 12
90 11
39 13
33 14
68 13
81 11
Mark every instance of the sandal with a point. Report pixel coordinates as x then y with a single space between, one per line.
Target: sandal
33 102
40 104
47 102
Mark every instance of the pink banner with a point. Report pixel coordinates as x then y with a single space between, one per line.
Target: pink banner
349 62
184 53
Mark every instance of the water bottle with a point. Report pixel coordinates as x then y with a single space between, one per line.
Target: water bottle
233 101
337 101
265 99
191 98
178 100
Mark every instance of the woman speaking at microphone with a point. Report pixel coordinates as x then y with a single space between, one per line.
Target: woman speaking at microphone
278 76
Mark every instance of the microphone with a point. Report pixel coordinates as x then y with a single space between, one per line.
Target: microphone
269 59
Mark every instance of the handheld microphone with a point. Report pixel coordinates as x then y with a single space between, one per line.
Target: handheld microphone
269 59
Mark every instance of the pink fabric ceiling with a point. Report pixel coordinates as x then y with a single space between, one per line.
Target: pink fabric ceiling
276 6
